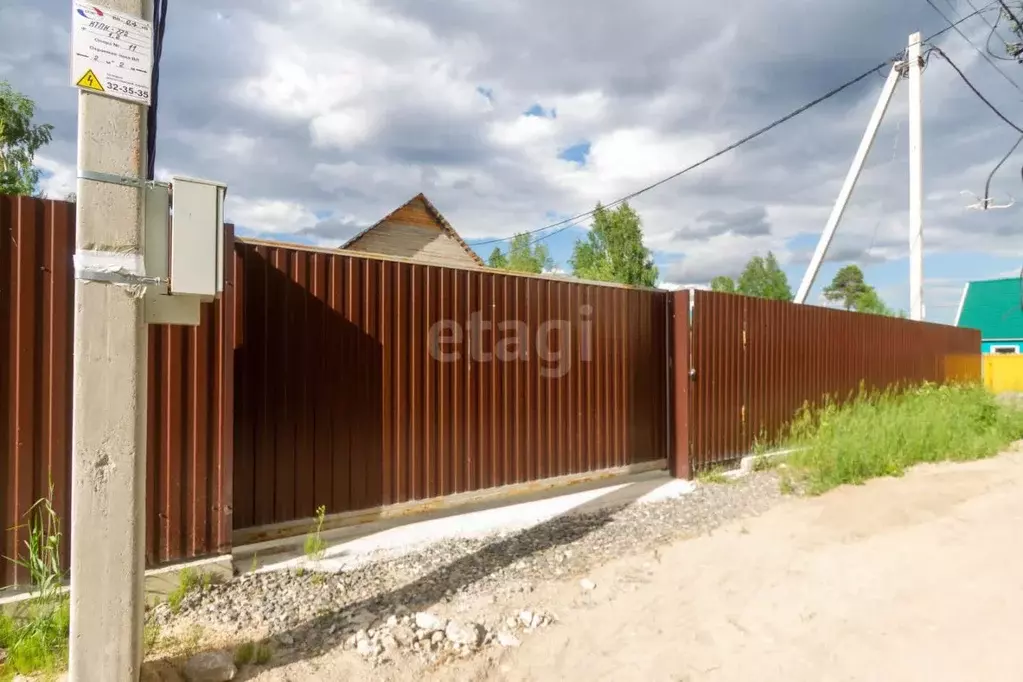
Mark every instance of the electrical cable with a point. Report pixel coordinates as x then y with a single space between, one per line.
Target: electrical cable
574 220
567 222
987 185
991 34
895 149
1009 12
159 26
974 46
976 92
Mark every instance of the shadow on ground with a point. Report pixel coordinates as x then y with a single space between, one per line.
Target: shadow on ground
423 593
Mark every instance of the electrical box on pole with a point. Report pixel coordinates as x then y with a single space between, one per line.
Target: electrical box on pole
185 248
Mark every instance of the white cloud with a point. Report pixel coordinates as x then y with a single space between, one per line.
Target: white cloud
263 215
350 107
60 178
342 129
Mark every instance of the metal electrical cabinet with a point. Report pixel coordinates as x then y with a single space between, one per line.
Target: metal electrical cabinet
184 248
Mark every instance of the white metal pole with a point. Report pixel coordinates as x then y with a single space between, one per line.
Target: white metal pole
916 180
850 183
109 395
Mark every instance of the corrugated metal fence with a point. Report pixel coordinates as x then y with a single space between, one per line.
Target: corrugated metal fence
364 382
325 378
756 362
189 453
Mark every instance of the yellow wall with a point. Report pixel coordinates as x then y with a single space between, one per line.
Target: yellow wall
1003 373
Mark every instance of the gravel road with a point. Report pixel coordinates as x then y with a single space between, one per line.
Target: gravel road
488 582
915 578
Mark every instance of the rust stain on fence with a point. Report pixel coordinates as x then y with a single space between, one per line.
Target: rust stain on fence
346 398
190 402
757 362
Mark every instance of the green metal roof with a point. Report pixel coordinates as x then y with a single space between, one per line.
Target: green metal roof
994 307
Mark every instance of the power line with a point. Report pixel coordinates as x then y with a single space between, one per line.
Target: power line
974 46
976 92
987 185
991 34
574 220
1009 12
569 222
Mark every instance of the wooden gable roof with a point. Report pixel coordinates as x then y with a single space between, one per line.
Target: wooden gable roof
417 212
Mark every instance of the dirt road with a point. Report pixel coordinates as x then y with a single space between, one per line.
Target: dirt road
919 578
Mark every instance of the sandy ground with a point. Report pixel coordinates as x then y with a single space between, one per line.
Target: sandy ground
916 578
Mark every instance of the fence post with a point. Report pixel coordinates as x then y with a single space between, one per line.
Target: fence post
681 466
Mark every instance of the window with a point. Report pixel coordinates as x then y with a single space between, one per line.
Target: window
1005 350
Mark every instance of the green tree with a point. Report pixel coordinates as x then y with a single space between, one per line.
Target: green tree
870 302
20 139
723 283
613 251
847 287
497 259
763 278
523 256
851 289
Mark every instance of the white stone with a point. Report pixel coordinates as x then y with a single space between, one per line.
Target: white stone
470 634
215 666
392 621
587 584
507 639
526 618
429 621
367 648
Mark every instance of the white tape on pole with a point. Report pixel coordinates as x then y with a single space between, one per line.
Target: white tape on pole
113 267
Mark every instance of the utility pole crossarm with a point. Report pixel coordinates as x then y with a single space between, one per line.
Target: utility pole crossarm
850 182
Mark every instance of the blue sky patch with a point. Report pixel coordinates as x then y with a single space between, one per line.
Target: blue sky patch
577 153
539 111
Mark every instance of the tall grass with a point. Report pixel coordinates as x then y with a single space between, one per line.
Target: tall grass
36 639
881 434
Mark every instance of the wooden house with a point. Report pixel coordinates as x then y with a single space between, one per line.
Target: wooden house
416 230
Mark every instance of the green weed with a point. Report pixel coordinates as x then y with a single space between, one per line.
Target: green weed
36 639
244 653
188 580
315 546
881 434
150 636
263 654
252 652
715 475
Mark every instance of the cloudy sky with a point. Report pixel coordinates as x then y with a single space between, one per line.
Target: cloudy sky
322 116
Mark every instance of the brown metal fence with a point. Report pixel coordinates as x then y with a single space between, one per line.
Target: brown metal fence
189 452
345 399
364 382
756 362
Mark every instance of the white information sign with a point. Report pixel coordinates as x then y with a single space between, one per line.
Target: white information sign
111 53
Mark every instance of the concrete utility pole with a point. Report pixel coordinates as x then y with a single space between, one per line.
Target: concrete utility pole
867 141
110 367
916 180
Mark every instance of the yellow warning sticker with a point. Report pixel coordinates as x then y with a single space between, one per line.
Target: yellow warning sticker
90 82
